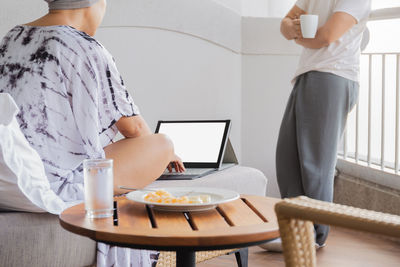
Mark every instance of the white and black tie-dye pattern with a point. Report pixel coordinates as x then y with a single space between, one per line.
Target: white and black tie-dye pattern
70 94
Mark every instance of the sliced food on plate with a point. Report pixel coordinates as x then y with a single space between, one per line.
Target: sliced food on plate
163 196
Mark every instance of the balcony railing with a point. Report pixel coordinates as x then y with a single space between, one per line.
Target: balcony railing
375 121
382 63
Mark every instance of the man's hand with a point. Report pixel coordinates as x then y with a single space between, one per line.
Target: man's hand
290 28
177 164
290 25
336 26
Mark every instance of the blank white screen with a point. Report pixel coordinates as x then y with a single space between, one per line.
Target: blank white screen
195 142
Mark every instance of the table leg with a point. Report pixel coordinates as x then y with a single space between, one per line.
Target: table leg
242 257
185 258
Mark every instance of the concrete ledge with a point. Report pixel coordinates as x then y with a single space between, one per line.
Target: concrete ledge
372 174
354 191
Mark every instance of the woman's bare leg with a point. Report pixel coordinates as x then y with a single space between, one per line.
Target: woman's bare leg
139 161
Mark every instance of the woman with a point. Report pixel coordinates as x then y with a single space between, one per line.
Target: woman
73 100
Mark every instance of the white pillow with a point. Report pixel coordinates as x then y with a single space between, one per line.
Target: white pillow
23 182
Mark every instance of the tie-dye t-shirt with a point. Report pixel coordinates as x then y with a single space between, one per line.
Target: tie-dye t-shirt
70 95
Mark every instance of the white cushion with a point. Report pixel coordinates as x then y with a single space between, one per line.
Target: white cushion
244 180
23 182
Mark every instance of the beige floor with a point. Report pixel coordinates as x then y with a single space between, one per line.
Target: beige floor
344 248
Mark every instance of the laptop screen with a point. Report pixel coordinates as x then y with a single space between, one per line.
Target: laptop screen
198 143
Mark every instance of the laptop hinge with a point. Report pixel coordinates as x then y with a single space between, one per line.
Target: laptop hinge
229 156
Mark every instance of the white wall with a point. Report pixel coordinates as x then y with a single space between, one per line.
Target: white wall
189 59
254 8
207 19
19 12
268 64
175 76
179 58
279 8
266 8
235 5
266 88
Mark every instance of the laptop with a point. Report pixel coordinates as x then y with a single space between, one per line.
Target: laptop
200 144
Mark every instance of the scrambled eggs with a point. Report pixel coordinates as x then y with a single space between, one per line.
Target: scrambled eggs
164 197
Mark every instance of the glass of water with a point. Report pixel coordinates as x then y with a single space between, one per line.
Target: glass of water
99 187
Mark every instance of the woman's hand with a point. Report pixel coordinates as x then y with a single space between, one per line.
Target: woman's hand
176 163
290 28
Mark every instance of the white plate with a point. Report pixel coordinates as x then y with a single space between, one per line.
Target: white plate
218 196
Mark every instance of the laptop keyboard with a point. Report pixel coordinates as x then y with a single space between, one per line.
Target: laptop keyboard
175 173
187 172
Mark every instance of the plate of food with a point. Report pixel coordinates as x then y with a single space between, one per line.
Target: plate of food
183 198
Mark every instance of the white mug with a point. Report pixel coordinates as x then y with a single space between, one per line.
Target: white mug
309 25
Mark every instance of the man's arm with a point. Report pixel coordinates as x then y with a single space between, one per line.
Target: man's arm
132 127
337 25
290 24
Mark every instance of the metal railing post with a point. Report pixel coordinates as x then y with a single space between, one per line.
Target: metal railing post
356 156
396 155
369 108
383 112
345 143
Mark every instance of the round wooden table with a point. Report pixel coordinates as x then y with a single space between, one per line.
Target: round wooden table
248 221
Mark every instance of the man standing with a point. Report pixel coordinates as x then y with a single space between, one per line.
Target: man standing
325 90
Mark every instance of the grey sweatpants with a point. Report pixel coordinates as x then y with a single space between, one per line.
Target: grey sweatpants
311 128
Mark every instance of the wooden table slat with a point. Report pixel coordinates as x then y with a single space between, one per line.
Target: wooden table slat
80 221
238 213
264 206
201 220
174 221
133 215
215 237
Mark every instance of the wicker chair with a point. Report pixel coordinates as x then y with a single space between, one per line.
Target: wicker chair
296 217
168 258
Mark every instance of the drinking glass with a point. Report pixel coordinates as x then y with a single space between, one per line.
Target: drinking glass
99 187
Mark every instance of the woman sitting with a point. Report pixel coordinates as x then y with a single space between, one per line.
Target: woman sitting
73 101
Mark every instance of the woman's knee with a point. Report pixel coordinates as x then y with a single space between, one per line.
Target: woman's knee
164 143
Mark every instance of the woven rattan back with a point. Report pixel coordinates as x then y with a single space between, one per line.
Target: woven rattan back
168 258
297 215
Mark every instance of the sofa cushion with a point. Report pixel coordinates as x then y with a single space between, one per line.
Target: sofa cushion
244 180
23 182
37 239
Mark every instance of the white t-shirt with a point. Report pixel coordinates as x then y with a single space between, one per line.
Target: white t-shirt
341 57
